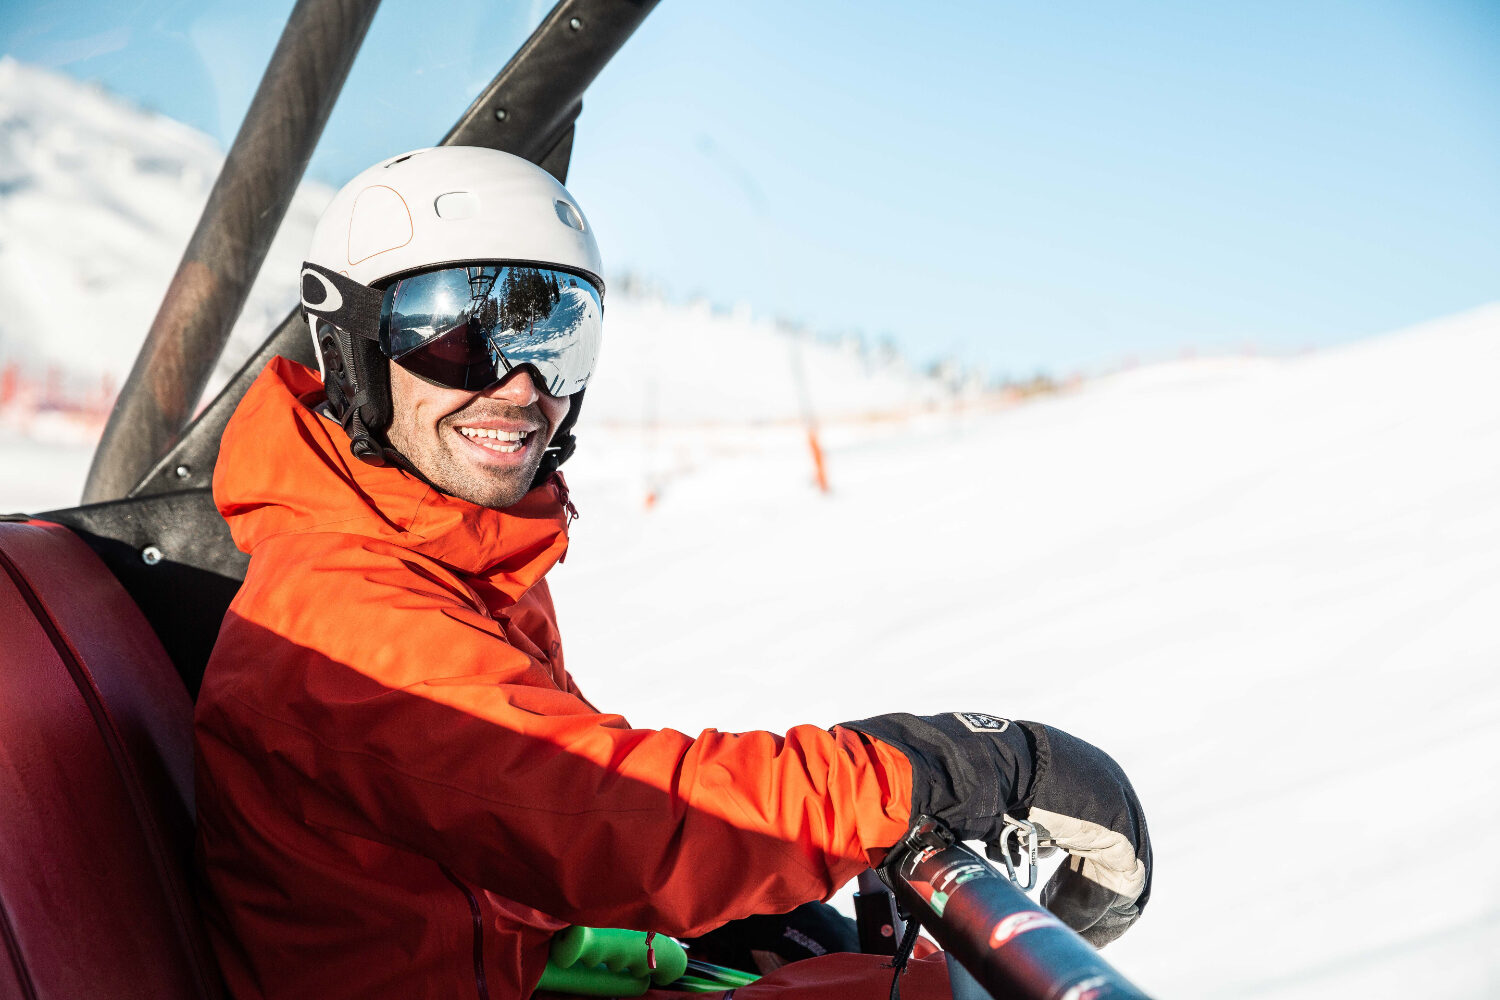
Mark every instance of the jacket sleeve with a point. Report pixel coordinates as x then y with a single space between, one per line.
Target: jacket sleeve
395 710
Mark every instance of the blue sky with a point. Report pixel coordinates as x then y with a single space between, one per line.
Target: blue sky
1023 186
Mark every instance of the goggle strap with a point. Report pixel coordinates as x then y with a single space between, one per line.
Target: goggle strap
340 300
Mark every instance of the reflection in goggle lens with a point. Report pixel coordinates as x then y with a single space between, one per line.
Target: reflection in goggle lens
467 327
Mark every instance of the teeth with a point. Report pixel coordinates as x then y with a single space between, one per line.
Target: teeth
506 441
489 432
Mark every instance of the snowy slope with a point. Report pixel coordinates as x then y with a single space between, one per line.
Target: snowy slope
1269 588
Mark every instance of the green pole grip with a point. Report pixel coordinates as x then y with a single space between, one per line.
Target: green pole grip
606 961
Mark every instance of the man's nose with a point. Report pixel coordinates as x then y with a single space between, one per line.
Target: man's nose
516 388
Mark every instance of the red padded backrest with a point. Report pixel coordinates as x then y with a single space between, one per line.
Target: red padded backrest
96 794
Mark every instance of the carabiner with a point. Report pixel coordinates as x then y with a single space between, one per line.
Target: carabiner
1025 834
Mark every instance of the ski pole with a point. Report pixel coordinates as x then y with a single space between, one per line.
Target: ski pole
1012 946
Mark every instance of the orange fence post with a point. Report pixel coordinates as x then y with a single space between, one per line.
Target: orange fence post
10 381
817 457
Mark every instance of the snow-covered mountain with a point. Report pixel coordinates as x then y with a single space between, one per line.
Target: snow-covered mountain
98 198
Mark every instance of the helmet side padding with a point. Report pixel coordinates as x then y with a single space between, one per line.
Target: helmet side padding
359 389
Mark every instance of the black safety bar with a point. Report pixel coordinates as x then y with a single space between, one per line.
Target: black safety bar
245 208
1013 947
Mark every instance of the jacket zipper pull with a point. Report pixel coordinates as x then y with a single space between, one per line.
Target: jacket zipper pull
562 496
650 951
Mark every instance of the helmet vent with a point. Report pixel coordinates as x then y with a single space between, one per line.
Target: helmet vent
456 205
569 215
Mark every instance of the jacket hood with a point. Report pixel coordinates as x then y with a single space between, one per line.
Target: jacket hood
284 468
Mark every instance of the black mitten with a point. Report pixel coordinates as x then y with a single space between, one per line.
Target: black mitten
970 770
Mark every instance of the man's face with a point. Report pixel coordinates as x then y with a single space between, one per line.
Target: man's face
483 447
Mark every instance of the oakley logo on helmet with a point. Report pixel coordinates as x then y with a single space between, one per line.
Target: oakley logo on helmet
978 722
341 300
318 293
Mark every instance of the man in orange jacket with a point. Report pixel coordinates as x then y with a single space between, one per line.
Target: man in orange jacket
402 792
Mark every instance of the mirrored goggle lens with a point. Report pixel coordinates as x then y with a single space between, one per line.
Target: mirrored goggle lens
468 327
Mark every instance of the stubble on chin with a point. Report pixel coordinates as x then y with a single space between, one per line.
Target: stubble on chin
484 486
444 460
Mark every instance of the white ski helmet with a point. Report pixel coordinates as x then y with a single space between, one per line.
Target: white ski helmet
427 209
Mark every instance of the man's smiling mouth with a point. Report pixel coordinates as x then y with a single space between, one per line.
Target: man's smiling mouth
503 441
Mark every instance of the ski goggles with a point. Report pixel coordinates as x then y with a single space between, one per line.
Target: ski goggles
470 327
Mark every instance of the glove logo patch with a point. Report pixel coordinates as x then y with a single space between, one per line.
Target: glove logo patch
978 722
1019 923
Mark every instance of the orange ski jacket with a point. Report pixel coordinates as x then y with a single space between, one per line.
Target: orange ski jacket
402 792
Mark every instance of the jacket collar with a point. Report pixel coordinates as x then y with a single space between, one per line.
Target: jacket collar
284 468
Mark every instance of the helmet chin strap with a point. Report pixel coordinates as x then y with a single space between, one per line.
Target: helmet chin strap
362 441
563 443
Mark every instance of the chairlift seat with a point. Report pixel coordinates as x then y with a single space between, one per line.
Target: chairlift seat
96 787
